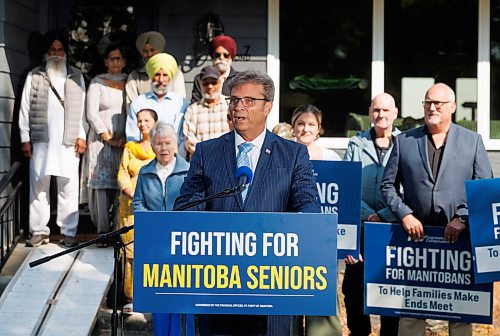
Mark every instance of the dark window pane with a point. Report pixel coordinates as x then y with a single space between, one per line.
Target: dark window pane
325 55
427 42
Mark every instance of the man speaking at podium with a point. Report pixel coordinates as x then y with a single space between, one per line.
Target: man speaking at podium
282 181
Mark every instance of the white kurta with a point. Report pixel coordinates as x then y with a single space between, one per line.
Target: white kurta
52 158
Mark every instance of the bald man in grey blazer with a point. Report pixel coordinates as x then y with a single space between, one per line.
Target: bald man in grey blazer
432 163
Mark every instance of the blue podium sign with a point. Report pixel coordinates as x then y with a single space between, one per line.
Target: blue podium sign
430 279
235 263
483 200
339 189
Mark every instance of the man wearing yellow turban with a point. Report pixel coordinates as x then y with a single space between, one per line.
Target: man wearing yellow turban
169 106
161 61
149 44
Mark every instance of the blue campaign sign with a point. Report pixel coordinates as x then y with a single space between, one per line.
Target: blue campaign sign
429 279
483 200
339 189
235 263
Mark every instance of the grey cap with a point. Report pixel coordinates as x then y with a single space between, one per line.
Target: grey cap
210 72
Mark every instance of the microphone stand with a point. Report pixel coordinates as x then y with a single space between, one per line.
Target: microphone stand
112 238
224 193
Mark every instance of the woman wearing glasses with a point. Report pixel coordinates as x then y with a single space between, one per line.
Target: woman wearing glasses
106 116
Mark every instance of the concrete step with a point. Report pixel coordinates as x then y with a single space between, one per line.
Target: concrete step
135 324
59 297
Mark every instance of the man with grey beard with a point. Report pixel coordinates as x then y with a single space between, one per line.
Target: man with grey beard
206 119
169 106
223 51
52 127
149 44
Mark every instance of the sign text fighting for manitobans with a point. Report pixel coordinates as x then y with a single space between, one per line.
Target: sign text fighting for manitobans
431 278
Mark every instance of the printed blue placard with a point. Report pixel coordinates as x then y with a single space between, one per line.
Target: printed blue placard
429 279
483 200
339 189
235 263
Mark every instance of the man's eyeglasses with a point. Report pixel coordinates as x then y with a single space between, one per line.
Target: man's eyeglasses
219 55
437 104
245 101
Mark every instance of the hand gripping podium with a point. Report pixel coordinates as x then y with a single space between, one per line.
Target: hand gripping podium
235 263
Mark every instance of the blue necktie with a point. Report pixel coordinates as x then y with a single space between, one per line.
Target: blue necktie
242 159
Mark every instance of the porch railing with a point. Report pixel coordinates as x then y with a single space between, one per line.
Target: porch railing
10 215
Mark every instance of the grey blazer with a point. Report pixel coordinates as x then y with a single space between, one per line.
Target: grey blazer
464 158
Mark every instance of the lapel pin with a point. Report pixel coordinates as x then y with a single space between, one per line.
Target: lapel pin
268 151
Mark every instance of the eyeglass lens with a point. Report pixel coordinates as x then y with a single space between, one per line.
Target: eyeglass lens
218 55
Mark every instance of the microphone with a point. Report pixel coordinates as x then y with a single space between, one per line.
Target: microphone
244 176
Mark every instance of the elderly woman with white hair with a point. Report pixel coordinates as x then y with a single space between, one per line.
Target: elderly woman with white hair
158 185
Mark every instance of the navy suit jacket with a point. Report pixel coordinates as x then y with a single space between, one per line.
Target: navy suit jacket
283 179
464 158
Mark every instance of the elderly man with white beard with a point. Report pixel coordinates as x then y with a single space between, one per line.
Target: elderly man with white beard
222 49
168 105
52 127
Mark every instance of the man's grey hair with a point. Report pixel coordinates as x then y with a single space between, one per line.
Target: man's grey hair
164 130
254 77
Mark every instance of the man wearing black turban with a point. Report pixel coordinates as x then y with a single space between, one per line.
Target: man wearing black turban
51 123
55 35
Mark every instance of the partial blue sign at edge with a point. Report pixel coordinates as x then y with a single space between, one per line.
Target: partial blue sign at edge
159 241
429 279
483 200
339 189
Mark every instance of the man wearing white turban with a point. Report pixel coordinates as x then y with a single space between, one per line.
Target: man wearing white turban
169 106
